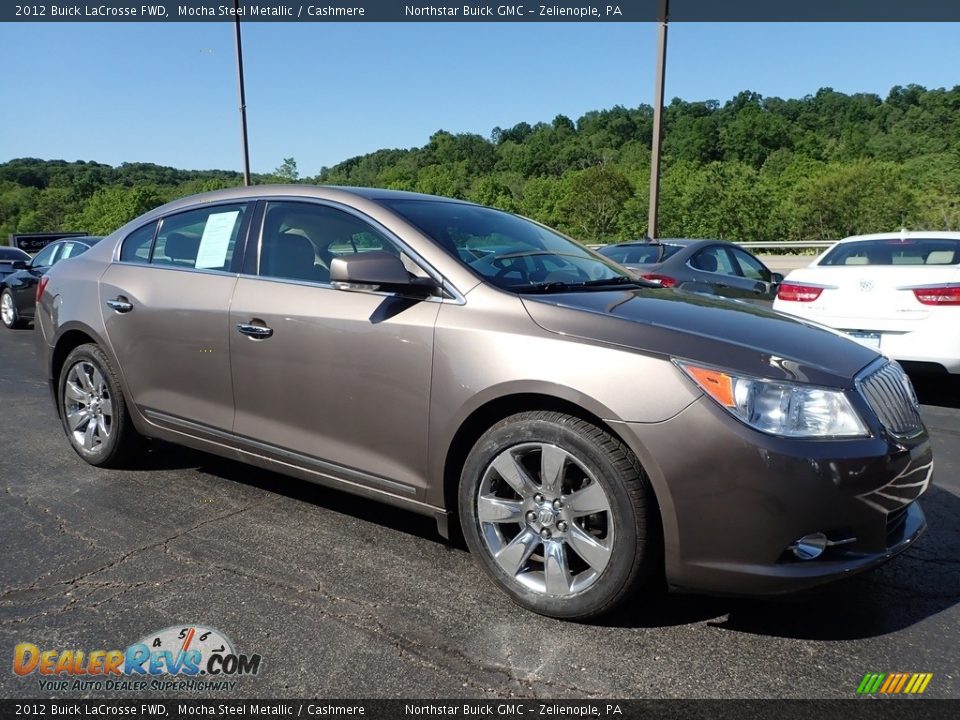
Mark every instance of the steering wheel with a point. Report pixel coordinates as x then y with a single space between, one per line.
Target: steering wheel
506 268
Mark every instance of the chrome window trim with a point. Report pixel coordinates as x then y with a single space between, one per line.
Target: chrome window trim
118 248
459 300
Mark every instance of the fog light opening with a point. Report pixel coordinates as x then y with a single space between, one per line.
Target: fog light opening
810 547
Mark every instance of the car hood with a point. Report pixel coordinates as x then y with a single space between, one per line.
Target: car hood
710 330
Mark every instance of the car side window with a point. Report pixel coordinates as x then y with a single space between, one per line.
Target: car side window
47 256
750 267
202 239
713 259
136 246
72 249
299 241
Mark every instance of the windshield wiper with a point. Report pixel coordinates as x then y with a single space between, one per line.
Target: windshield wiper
561 286
532 253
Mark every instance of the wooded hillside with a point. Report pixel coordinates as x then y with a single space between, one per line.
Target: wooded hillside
753 168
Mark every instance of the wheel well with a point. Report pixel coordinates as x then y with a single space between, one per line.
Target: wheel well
485 417
65 345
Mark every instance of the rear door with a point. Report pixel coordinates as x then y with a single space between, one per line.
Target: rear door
165 307
335 381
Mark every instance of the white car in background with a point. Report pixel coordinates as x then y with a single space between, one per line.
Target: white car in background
896 292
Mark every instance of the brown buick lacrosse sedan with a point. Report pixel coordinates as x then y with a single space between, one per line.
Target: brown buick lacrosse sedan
590 434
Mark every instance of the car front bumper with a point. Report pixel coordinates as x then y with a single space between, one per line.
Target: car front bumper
733 501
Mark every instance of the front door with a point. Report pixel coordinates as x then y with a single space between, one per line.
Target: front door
332 380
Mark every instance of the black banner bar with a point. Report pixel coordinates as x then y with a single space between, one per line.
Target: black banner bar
451 11
513 709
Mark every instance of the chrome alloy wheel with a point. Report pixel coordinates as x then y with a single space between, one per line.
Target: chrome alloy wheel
88 406
545 519
7 311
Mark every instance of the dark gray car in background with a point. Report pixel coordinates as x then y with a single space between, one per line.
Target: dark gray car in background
18 289
714 267
590 434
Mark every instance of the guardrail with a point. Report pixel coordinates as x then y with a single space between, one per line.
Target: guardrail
787 244
766 245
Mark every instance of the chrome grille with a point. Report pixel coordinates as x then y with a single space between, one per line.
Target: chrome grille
890 394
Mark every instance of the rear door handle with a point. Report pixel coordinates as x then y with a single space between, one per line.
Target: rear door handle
120 304
255 331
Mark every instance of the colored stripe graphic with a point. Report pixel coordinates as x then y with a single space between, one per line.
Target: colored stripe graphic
894 683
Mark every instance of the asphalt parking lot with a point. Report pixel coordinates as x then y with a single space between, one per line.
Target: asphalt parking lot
344 597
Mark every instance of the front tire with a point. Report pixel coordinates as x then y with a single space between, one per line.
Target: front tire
93 410
560 514
8 311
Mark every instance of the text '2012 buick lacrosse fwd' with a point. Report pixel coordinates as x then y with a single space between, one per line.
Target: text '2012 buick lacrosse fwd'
588 433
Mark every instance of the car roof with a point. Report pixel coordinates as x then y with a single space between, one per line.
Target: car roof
666 241
12 249
321 192
905 235
86 239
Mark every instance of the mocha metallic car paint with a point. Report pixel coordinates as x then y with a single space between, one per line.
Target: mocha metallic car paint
379 394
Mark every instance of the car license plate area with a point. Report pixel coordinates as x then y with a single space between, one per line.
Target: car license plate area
870 339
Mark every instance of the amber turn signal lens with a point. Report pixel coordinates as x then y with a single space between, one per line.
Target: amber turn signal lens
718 384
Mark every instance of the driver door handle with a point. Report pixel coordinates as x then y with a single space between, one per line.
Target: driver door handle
120 304
259 332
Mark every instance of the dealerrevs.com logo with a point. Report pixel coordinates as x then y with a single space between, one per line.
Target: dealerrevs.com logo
179 658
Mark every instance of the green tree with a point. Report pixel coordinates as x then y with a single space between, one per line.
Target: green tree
110 208
287 172
593 202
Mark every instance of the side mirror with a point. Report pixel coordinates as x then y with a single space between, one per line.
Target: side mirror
776 278
375 270
20 265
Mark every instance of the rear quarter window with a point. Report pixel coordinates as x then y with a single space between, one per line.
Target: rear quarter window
136 247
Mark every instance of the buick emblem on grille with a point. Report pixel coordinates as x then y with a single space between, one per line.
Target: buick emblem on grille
866 285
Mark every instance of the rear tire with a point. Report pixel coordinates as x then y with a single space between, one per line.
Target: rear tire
93 410
8 311
560 514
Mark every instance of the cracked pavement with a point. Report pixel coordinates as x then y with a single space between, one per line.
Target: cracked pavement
345 597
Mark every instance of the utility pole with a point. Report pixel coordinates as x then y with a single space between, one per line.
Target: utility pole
658 120
243 94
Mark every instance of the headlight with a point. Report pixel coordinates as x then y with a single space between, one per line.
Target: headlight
777 407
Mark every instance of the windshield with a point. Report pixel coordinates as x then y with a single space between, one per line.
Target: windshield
894 251
510 252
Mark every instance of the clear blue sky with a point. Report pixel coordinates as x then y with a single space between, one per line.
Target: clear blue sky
166 93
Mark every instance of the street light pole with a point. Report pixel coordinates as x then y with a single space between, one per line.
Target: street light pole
658 120
243 94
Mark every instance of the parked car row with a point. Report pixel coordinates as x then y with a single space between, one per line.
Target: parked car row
590 431
898 293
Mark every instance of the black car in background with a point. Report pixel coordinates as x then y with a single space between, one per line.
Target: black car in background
715 267
18 289
11 260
